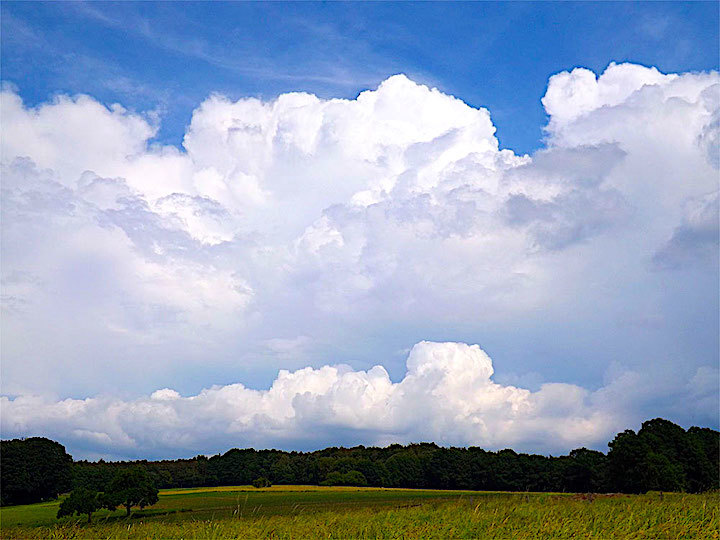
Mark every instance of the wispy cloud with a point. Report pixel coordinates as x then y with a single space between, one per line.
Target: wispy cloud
247 58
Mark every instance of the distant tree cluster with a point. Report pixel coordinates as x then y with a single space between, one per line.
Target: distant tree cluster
660 456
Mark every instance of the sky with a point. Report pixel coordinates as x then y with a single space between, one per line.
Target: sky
312 224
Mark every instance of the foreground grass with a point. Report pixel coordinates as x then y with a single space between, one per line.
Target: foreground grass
480 516
240 501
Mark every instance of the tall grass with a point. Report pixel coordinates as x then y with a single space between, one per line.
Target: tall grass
498 516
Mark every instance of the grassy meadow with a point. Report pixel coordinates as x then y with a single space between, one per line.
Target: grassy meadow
338 512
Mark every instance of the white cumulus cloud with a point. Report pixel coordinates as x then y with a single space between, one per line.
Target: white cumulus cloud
447 395
302 231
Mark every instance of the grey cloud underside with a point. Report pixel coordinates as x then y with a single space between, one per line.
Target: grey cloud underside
297 231
696 239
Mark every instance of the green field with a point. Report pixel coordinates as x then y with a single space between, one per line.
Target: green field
319 512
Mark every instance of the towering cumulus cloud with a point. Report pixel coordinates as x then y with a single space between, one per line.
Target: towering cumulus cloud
301 231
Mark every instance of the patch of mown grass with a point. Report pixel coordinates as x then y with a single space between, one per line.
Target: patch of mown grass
473 516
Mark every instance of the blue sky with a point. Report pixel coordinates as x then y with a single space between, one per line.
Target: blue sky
310 224
497 55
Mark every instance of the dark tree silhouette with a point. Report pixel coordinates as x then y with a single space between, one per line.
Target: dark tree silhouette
128 488
663 456
585 471
33 470
80 501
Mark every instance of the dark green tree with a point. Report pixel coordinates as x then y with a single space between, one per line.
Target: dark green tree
404 470
661 474
585 471
702 473
626 462
354 478
663 456
80 501
33 470
128 488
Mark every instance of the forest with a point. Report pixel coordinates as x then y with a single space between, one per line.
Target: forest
661 456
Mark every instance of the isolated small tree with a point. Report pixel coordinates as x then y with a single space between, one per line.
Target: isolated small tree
81 501
128 488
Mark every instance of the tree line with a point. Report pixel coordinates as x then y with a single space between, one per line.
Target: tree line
661 456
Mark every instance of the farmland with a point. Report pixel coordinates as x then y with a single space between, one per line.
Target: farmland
342 512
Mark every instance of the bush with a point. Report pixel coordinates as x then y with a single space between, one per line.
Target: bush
350 478
261 482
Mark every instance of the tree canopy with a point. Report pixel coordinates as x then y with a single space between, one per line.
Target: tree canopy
80 501
33 470
128 488
662 456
